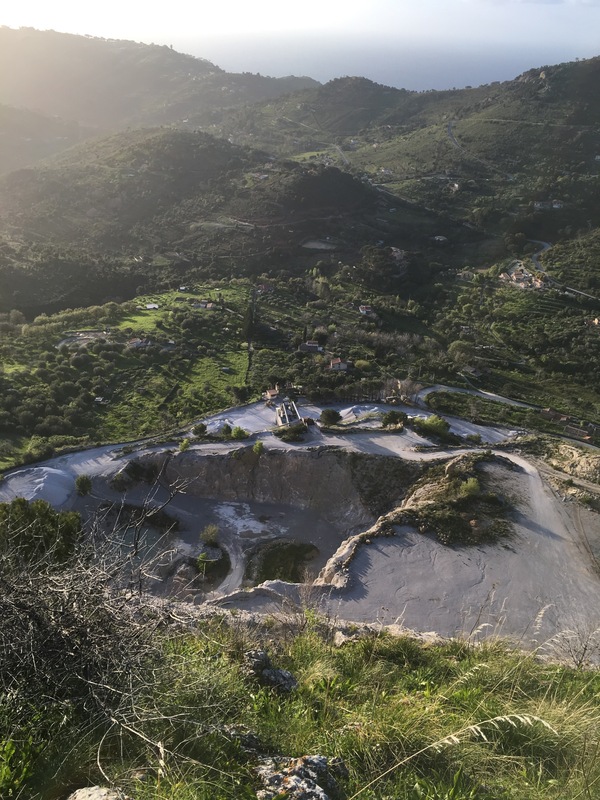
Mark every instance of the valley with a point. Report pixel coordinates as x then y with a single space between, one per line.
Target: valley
299 431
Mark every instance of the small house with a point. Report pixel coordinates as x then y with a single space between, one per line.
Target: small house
554 416
577 433
337 365
310 347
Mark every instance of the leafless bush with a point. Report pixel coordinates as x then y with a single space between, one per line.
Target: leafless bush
77 634
578 645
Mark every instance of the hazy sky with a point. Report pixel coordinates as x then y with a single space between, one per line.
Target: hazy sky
413 43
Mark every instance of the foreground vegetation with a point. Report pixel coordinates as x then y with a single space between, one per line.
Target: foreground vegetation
176 714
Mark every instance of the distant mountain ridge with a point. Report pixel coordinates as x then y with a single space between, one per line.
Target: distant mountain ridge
565 93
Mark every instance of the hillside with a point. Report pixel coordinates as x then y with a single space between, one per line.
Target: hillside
340 711
27 137
485 155
576 262
109 83
200 602
158 206
343 107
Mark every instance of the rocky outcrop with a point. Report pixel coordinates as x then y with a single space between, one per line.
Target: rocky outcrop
258 663
575 461
306 778
97 793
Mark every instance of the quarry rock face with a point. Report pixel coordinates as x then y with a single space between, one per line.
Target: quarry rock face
343 488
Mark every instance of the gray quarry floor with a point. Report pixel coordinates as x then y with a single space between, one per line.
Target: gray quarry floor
534 587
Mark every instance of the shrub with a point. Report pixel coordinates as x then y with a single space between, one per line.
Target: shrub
258 448
433 425
199 429
210 534
295 433
83 484
184 445
329 416
32 530
239 433
393 418
226 431
469 488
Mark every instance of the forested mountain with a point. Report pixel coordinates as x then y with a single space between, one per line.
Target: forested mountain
565 93
352 191
89 225
486 155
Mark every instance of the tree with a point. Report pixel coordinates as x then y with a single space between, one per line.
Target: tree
239 433
248 323
210 535
461 352
393 418
199 429
83 484
432 425
330 416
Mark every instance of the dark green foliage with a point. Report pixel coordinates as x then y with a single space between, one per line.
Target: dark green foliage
280 560
393 418
83 484
34 530
488 412
330 416
433 426
293 433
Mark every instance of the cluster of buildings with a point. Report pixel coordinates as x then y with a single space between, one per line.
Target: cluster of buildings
520 276
584 431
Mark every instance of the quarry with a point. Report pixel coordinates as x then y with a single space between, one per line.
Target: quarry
363 520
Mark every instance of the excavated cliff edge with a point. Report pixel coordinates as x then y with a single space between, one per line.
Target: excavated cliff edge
350 490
